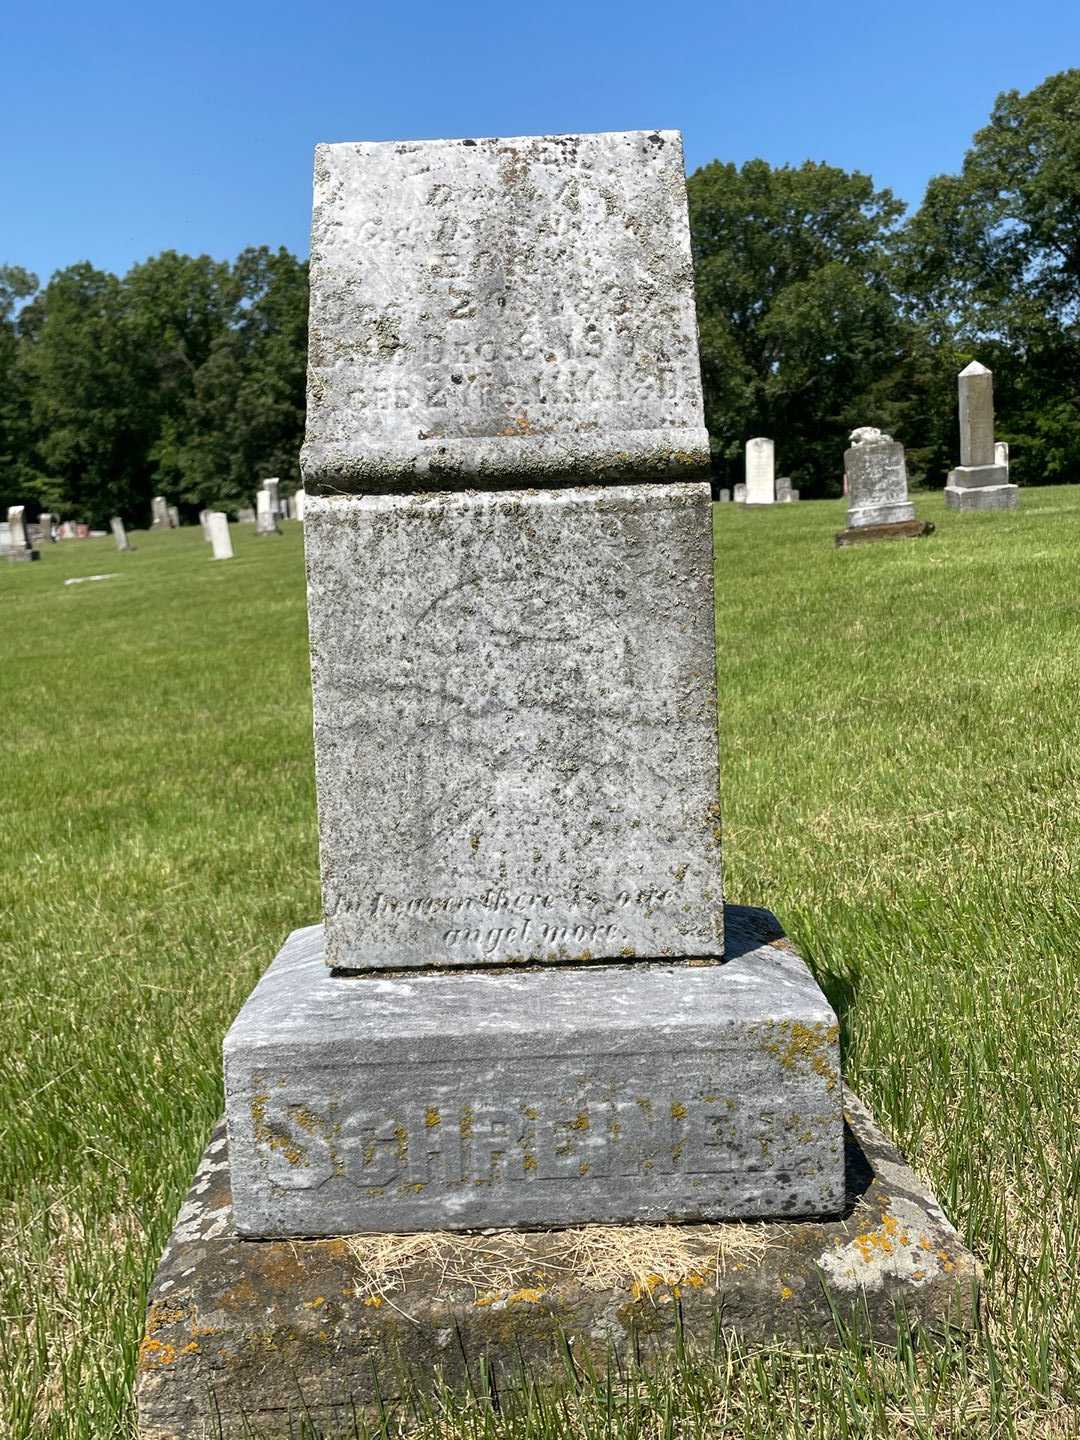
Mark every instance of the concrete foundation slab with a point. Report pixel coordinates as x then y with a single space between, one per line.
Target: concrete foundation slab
900 530
652 1091
251 1338
982 497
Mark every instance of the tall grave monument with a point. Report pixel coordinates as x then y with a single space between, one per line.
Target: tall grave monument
515 731
981 480
527 1005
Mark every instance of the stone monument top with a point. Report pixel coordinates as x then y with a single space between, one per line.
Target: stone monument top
488 313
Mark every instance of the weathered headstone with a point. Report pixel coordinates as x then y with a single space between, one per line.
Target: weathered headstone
740 493
783 490
877 490
265 514
299 498
220 539
245 515
725 497
514 471
174 517
18 541
120 533
1001 454
980 481
45 526
204 521
273 489
159 513
760 472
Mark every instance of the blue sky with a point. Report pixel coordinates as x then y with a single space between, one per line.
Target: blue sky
127 129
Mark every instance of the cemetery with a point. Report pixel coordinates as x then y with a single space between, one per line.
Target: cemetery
573 937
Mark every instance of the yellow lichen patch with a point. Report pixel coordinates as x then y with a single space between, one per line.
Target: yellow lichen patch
315 1304
191 1348
265 1135
807 1045
645 1286
432 1117
786 1292
580 1121
414 1188
373 1301
528 1295
401 1141
466 1125
155 1352
531 1112
529 1162
583 1168
678 1110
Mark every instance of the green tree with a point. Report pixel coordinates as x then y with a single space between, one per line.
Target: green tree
798 320
16 433
990 264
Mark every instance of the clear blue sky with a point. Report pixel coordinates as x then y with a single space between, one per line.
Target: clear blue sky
127 129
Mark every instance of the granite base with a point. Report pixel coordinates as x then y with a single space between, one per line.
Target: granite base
529 1096
982 497
258 1338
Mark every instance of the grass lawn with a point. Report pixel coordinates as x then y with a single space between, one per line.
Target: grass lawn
900 738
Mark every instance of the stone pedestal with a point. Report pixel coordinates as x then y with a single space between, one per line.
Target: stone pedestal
548 1096
981 487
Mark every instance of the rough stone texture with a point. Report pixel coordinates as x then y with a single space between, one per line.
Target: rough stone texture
900 530
981 497
877 484
242 1333
976 386
740 493
502 311
217 523
265 514
515 725
534 1097
159 513
760 472
120 533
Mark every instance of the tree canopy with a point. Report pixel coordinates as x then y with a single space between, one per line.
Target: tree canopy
821 307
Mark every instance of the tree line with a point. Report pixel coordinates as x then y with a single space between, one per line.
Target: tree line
821 306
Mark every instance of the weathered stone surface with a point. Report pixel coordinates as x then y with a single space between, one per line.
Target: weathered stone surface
217 523
120 533
981 497
899 530
760 472
174 517
237 1332
159 513
740 493
976 386
467 1099
515 725
784 491
877 483
502 311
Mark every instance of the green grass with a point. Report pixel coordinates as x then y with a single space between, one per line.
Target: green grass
900 733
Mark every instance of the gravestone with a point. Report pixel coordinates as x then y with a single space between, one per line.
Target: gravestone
18 542
980 481
760 472
220 539
725 497
245 515
1001 454
273 488
877 490
740 493
284 508
265 514
174 517
45 526
298 499
159 513
204 521
515 732
120 534
783 490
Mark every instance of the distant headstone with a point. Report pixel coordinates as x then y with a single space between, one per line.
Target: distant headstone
516 758
760 472
159 509
120 533
245 515
204 521
740 493
1001 453
980 481
66 531
174 517
265 514
273 489
783 490
18 542
299 497
45 525
725 497
284 508
220 539
877 488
